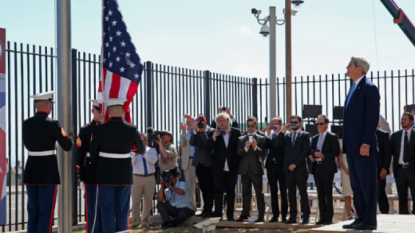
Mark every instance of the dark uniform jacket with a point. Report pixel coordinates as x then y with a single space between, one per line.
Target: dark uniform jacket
251 159
40 133
87 170
115 137
330 149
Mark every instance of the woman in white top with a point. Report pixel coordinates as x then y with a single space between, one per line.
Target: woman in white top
345 179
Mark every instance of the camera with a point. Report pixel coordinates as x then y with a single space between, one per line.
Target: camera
201 123
293 126
264 30
152 137
223 109
256 11
165 176
273 127
297 2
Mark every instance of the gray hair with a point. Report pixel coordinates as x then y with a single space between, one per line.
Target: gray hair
361 62
222 115
277 118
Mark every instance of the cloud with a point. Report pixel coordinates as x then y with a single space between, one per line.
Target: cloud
245 30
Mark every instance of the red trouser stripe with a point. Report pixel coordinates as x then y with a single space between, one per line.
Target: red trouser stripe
53 209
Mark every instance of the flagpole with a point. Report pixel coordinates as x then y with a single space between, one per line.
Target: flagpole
64 68
103 110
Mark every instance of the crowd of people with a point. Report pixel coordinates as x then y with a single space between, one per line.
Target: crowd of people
114 161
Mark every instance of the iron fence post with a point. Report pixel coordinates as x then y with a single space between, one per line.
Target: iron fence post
255 98
206 76
149 90
74 150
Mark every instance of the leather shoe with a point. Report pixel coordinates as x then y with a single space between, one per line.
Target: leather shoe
241 218
328 223
164 224
365 226
305 222
284 220
321 221
291 221
260 219
206 215
169 225
274 219
351 225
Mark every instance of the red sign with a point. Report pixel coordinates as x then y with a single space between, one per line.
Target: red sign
2 51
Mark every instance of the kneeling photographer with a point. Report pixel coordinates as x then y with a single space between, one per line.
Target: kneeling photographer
173 200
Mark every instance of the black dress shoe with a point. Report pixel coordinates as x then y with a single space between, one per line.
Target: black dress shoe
291 221
351 225
328 223
260 219
365 226
321 221
164 224
206 215
284 220
169 225
230 219
241 218
274 219
305 222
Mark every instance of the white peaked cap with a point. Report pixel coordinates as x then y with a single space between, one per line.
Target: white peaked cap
94 103
44 96
115 102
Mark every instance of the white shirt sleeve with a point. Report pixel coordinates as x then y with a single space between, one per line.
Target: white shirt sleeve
151 156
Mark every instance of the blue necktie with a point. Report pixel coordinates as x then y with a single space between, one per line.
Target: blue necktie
145 166
350 94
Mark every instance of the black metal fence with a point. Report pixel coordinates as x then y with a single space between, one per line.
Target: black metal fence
165 94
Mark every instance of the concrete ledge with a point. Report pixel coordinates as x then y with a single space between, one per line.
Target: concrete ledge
156 220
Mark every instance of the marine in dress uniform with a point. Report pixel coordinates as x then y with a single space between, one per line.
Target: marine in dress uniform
111 144
87 172
41 176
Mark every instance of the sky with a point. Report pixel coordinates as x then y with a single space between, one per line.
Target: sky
223 36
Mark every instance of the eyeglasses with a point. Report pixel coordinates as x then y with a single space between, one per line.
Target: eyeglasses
251 126
321 123
294 122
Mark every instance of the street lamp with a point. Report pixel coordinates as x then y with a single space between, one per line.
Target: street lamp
271 30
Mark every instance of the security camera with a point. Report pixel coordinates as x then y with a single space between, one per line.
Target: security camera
264 30
256 11
293 12
297 3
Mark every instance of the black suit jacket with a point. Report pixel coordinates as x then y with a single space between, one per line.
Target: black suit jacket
384 157
330 150
221 152
395 144
275 158
297 153
203 153
251 159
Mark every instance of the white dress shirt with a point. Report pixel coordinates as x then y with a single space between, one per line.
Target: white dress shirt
357 82
402 143
151 158
320 143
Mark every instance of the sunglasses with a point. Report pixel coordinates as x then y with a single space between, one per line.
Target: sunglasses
321 123
294 122
251 126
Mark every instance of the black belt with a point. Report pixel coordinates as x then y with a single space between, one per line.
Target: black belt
144 175
403 165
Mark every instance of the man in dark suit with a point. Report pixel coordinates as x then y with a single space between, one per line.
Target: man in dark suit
383 161
251 149
361 117
225 163
325 148
297 149
403 151
274 165
202 162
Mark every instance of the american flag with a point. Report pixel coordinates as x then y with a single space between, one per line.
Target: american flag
122 67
